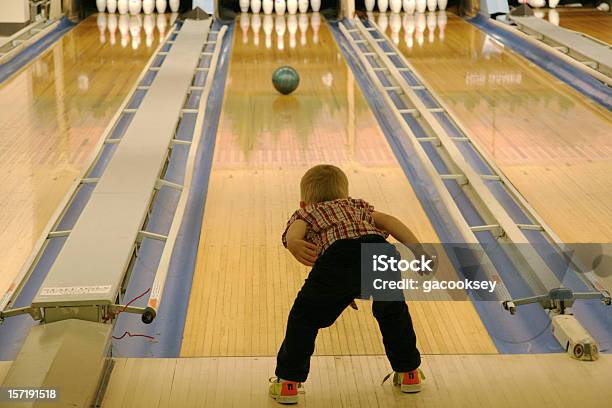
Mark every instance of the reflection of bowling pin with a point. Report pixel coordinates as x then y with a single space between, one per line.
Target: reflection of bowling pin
256 25
409 6
148 6
244 5
135 26
268 25
161 26
112 27
383 5
255 6
442 4
134 6
421 5
292 6
101 5
124 29
553 17
408 25
279 25
539 13
395 22
174 5
292 27
161 5
149 29
267 6
280 7
303 25
111 6
316 5
122 7
431 5
369 5
383 22
420 28
101 21
303 6
315 22
244 27
442 24
431 25
395 6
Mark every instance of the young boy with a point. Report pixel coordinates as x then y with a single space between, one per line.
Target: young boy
326 233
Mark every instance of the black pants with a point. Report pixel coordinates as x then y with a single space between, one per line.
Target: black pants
332 284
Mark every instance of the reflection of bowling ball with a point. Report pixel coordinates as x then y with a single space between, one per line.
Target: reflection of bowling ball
285 80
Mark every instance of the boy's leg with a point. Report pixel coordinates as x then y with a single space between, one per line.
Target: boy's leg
398 335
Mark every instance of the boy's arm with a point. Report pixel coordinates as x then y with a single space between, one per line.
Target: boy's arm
399 231
305 252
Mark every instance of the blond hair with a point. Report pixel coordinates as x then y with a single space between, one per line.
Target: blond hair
323 183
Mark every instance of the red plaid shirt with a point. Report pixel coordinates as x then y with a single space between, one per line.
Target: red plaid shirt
329 221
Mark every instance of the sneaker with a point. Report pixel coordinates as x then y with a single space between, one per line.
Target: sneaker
409 382
283 391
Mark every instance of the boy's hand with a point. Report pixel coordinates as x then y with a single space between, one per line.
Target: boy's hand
305 252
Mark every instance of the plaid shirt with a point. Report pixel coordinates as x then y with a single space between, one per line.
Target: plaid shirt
329 221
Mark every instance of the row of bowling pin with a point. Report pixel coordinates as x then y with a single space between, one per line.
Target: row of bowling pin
541 3
130 28
136 6
279 6
409 6
413 25
280 25
553 15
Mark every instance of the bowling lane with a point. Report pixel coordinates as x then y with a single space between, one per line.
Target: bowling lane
554 144
53 113
245 281
597 24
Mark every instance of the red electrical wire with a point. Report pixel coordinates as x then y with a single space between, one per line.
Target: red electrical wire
133 335
124 309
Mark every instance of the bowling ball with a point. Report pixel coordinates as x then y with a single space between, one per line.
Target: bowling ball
285 80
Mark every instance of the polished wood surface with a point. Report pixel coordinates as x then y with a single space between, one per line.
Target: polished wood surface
597 24
245 281
554 144
547 380
54 111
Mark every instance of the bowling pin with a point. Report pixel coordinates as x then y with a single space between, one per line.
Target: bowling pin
408 25
112 27
395 22
174 5
268 25
279 7
442 19
135 26
149 29
431 25
395 6
442 4
111 6
256 6
383 22
292 27
292 7
315 22
256 25
316 6
303 6
267 6
303 26
101 5
244 5
101 21
383 5
148 6
161 26
420 28
421 5
537 3
245 22
431 5
553 3
122 7
160 5
280 26
124 29
369 5
553 17
135 6
409 6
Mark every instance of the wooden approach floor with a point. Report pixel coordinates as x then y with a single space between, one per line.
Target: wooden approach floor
597 24
54 111
245 281
548 380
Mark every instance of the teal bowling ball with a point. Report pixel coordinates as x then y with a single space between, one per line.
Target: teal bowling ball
285 80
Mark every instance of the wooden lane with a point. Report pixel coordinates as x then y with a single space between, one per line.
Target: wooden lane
53 113
554 144
597 24
245 281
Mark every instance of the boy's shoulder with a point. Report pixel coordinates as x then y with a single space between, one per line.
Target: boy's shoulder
354 203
